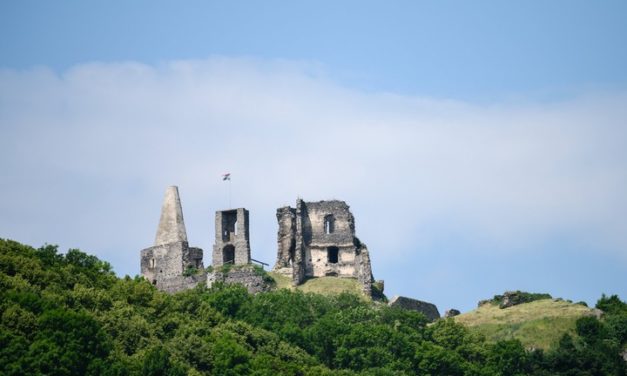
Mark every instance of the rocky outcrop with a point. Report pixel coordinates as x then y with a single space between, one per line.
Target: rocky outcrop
451 313
512 298
428 309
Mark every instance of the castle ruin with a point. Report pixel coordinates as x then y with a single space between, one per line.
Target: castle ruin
169 262
232 245
171 265
317 239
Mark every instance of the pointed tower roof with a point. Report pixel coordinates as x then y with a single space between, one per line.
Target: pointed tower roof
171 226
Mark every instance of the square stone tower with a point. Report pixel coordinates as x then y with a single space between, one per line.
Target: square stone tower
232 244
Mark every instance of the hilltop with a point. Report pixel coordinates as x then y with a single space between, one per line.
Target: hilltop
537 324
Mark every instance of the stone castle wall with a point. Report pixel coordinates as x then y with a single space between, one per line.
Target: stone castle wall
317 239
181 283
244 275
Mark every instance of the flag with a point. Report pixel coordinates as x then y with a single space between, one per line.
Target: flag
226 176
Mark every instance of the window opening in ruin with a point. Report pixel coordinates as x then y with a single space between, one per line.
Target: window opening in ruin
228 254
154 281
292 251
329 224
229 225
332 255
152 263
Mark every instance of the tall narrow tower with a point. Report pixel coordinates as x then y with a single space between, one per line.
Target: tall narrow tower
232 244
171 225
165 263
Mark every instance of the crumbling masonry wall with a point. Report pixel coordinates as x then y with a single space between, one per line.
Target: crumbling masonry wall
317 239
242 275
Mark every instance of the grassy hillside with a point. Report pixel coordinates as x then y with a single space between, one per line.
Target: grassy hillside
538 324
329 286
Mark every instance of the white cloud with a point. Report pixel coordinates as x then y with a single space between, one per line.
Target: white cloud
87 154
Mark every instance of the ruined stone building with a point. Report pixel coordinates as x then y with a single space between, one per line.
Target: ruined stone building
317 239
166 262
171 265
232 244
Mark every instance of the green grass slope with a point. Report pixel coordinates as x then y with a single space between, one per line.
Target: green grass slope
328 286
538 324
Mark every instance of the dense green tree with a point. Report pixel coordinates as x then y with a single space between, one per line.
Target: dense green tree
70 315
67 343
157 362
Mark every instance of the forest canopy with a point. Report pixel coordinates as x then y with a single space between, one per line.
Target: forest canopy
68 314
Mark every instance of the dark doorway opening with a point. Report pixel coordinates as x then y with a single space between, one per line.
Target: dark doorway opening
228 254
332 255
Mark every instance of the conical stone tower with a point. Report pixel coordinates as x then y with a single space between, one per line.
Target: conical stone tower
170 263
171 225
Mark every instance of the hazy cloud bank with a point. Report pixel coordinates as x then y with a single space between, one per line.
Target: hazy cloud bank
86 156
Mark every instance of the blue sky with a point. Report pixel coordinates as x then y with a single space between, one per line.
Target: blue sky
481 145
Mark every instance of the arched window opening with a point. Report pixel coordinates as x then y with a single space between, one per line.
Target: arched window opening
333 255
228 254
329 224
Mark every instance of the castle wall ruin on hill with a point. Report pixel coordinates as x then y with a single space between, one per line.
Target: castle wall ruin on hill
166 262
315 239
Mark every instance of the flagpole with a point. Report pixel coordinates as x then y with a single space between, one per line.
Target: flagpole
227 176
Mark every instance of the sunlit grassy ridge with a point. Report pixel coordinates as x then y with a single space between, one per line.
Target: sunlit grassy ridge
329 286
538 324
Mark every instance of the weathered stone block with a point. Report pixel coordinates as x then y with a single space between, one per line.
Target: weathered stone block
428 309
